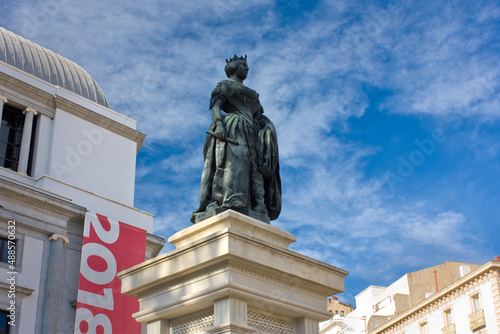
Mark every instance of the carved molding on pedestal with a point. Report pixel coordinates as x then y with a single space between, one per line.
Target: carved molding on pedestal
268 276
208 271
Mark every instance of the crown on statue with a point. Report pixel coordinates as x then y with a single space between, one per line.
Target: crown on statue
235 58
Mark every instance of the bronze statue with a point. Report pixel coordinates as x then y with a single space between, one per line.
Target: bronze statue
241 170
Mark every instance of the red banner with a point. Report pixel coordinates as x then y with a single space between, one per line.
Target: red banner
108 247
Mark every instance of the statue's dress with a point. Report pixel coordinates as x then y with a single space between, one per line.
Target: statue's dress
243 177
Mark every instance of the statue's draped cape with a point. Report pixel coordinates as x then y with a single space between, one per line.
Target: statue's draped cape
245 175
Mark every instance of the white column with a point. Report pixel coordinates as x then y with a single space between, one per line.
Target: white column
54 285
22 167
307 326
230 317
3 100
41 151
159 326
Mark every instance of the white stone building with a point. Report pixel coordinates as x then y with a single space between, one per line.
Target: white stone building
467 301
469 305
63 153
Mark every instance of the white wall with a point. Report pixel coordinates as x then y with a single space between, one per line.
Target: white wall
92 158
365 300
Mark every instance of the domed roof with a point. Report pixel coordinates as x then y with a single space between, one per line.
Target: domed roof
48 66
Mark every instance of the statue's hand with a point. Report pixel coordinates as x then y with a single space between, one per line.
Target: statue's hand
220 132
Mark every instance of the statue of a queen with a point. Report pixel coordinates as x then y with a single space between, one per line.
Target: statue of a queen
241 169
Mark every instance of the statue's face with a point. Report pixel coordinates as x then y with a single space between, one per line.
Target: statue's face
242 71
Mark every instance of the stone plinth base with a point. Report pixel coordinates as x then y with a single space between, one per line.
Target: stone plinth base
232 274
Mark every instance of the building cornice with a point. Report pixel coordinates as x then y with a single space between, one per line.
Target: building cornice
46 103
42 209
19 289
99 120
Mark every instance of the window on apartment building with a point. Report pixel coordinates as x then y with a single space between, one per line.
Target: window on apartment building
11 133
424 328
4 322
4 249
447 317
475 301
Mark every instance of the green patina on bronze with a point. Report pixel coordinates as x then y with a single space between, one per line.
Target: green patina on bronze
241 169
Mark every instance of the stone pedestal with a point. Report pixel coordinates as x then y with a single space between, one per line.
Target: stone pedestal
232 274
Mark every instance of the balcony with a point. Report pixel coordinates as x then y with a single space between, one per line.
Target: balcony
450 329
477 320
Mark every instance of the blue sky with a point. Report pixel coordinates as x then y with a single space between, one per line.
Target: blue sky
387 114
